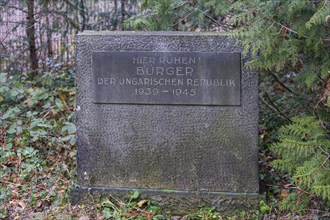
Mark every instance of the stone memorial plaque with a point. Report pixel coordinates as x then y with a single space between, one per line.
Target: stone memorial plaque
166 78
172 114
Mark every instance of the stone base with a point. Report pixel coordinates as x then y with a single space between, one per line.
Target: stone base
177 202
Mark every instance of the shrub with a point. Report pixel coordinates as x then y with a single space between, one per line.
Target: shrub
37 136
304 148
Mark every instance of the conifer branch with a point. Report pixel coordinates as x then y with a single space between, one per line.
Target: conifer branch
281 83
307 165
274 107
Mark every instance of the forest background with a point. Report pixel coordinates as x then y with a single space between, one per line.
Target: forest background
289 45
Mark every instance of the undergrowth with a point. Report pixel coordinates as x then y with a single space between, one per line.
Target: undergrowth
37 139
303 148
37 161
38 157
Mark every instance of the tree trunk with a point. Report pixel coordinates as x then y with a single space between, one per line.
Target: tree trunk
49 39
30 33
83 14
115 16
123 13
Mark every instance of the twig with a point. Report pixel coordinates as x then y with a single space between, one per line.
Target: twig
185 17
326 153
269 106
212 19
3 41
47 113
282 26
274 108
323 163
272 103
281 83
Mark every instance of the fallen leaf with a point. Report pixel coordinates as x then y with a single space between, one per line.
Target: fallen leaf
22 204
284 193
175 217
39 204
72 93
141 203
63 97
128 215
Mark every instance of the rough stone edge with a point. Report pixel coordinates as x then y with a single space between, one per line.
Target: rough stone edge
151 33
177 202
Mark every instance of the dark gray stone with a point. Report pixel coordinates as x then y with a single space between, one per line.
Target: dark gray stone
179 202
194 150
167 78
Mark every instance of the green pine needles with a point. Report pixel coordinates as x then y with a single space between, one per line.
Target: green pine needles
282 37
305 154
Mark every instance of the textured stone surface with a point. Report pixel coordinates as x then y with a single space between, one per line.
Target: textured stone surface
178 202
166 78
183 148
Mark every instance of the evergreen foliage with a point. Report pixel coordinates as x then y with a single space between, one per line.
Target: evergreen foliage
304 150
295 201
288 42
282 37
287 36
170 15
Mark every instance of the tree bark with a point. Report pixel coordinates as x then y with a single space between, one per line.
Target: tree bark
123 14
49 39
30 33
115 16
48 32
82 10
